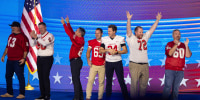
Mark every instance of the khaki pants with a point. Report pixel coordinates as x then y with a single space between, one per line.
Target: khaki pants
139 73
92 74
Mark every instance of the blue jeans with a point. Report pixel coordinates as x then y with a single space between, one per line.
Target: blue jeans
172 81
11 67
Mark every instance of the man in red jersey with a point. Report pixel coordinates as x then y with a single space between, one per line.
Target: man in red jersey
76 50
176 52
96 65
16 50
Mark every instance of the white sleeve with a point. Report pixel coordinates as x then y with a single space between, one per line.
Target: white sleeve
147 35
122 41
46 42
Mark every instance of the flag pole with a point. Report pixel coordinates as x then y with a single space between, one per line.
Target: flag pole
28 86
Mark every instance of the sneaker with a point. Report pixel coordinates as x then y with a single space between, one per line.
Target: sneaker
7 95
40 98
20 96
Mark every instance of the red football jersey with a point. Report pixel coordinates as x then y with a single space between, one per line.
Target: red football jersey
177 60
17 45
97 58
77 42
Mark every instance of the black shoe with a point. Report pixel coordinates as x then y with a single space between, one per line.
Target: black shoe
40 98
47 98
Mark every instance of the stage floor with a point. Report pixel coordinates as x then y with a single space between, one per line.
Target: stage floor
66 95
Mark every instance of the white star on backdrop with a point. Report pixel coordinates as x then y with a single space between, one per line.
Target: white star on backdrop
149 61
186 62
70 79
198 63
127 80
126 60
94 80
163 61
162 80
183 82
57 78
149 81
57 59
35 76
198 80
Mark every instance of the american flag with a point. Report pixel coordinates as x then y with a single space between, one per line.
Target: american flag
31 17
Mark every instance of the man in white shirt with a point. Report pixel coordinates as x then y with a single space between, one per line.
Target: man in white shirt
138 65
114 45
44 43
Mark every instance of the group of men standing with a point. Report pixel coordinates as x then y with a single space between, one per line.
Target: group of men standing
106 58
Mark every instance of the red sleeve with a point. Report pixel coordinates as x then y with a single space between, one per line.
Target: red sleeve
68 30
8 41
167 48
25 43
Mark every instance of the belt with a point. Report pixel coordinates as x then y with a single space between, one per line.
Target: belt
44 56
138 63
74 59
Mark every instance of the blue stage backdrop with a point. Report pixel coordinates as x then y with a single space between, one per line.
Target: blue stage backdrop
91 14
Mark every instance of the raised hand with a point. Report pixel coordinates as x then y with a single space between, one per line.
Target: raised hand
176 42
129 16
159 16
62 20
186 42
33 35
67 19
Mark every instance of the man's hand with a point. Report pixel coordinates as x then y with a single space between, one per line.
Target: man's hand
129 16
112 51
89 63
67 19
22 61
62 20
159 16
33 35
186 42
176 42
2 58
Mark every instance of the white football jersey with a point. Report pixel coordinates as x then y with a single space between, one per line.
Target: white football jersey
44 44
113 44
138 48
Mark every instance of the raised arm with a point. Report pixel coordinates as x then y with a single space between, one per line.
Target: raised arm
188 52
128 26
67 27
153 27
173 49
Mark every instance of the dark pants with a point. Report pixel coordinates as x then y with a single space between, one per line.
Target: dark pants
76 66
118 67
11 67
44 64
